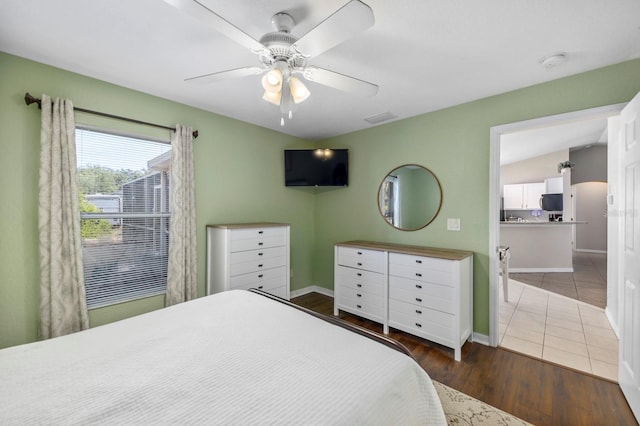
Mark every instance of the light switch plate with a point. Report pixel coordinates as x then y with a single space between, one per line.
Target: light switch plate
453 224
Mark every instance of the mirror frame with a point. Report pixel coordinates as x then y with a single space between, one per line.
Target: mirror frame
380 189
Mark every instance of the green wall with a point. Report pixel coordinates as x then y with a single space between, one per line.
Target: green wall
238 179
239 176
454 144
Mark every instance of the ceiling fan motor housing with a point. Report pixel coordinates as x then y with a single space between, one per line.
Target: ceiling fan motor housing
279 43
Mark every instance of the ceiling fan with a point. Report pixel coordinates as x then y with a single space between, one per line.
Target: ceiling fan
283 57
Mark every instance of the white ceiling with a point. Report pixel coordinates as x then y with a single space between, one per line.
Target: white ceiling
530 143
424 54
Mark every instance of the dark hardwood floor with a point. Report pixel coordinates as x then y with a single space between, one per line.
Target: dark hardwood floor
535 391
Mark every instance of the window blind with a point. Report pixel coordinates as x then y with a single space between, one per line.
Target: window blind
124 215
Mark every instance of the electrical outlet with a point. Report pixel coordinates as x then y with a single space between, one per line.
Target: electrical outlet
453 224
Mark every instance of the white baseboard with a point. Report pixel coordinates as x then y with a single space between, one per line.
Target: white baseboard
591 251
311 289
614 324
540 269
483 339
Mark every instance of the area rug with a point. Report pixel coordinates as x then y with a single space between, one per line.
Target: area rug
461 409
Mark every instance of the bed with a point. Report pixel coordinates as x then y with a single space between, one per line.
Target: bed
236 357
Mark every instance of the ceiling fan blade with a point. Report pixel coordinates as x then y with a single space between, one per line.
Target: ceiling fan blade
213 20
340 81
224 75
351 19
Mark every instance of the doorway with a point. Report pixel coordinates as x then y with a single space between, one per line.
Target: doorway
539 300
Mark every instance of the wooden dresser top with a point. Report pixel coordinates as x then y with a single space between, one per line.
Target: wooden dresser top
440 253
247 225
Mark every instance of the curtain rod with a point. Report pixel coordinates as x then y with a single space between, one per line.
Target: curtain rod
29 99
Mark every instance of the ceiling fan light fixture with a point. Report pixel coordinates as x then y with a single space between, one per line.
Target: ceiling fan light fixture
272 97
272 81
299 91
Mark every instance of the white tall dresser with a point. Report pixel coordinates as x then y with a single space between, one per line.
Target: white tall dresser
424 291
249 255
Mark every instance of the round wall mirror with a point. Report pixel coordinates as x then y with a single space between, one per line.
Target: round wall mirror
409 197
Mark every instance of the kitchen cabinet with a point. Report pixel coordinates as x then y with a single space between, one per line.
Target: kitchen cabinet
523 196
554 185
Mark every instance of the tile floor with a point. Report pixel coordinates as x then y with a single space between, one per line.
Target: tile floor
587 283
558 329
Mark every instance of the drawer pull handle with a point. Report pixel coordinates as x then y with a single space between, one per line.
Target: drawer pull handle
418 274
418 286
260 276
260 265
359 285
260 232
260 287
418 311
359 274
260 243
359 295
359 253
359 306
418 299
359 264
418 261
260 254
418 325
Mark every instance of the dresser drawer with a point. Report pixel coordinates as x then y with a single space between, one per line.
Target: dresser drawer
427 269
258 238
434 296
421 321
370 260
256 260
361 302
371 282
264 280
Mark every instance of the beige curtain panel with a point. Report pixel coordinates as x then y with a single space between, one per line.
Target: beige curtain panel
63 307
181 274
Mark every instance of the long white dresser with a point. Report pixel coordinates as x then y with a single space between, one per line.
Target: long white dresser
424 291
248 255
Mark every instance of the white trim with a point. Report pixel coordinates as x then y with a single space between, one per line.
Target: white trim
123 134
483 339
591 251
527 270
614 324
494 194
311 289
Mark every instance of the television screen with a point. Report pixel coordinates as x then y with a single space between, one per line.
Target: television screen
316 167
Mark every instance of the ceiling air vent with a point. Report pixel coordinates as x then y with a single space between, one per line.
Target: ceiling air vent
379 118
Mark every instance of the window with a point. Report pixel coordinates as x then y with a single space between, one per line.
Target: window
124 215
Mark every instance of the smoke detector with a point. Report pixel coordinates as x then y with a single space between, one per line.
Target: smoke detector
553 60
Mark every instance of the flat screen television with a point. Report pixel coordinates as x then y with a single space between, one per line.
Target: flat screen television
316 167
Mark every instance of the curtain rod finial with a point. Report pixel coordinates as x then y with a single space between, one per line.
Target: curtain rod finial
28 99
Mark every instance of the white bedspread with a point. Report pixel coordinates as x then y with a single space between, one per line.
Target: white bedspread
232 358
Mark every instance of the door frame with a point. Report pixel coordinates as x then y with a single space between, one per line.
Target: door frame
494 194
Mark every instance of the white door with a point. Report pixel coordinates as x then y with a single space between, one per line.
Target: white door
629 365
